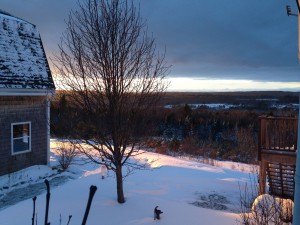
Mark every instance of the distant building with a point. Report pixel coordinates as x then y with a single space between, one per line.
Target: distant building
25 87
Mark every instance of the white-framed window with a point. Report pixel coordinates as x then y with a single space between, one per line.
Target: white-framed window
20 138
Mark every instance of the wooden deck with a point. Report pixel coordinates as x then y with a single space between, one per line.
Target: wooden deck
277 143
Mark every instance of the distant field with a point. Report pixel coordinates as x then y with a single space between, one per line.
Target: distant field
278 97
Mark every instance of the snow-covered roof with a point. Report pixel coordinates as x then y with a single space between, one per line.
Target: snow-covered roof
23 62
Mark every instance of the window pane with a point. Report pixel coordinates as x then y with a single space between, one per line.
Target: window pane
21 144
20 130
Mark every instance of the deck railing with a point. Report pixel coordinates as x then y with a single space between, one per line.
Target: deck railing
278 134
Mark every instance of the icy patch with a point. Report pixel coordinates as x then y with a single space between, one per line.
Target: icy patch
27 183
22 178
21 194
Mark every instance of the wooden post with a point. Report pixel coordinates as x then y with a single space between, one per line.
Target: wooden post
47 201
262 176
33 214
93 190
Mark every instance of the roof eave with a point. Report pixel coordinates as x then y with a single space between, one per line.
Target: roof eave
26 92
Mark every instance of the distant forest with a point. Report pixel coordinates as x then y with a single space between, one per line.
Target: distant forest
245 98
184 126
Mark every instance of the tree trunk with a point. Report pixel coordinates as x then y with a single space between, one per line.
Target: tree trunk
119 178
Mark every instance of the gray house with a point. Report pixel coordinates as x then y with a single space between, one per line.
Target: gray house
25 87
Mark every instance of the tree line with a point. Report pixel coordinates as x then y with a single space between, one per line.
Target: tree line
229 134
225 134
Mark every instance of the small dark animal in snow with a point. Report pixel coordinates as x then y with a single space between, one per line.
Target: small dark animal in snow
157 213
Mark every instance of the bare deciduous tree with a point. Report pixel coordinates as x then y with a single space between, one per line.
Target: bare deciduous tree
115 78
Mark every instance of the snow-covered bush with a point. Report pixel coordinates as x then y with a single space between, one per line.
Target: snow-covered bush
286 207
264 209
269 210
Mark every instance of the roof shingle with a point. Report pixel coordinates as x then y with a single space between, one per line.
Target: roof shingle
23 62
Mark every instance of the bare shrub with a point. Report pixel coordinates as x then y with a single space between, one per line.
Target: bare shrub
152 143
209 161
162 149
66 153
174 145
246 144
233 167
190 146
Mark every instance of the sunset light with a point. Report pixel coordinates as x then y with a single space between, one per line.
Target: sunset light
137 112
190 84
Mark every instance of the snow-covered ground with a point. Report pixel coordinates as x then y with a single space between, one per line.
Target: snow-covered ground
188 192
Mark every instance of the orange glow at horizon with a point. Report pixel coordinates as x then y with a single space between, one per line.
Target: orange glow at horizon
190 84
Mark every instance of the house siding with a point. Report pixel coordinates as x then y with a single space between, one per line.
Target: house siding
23 109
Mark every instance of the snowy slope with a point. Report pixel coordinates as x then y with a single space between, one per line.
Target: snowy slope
175 185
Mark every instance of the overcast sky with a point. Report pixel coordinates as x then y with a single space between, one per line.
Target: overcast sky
205 39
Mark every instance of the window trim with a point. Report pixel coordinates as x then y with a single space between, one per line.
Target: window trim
12 138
